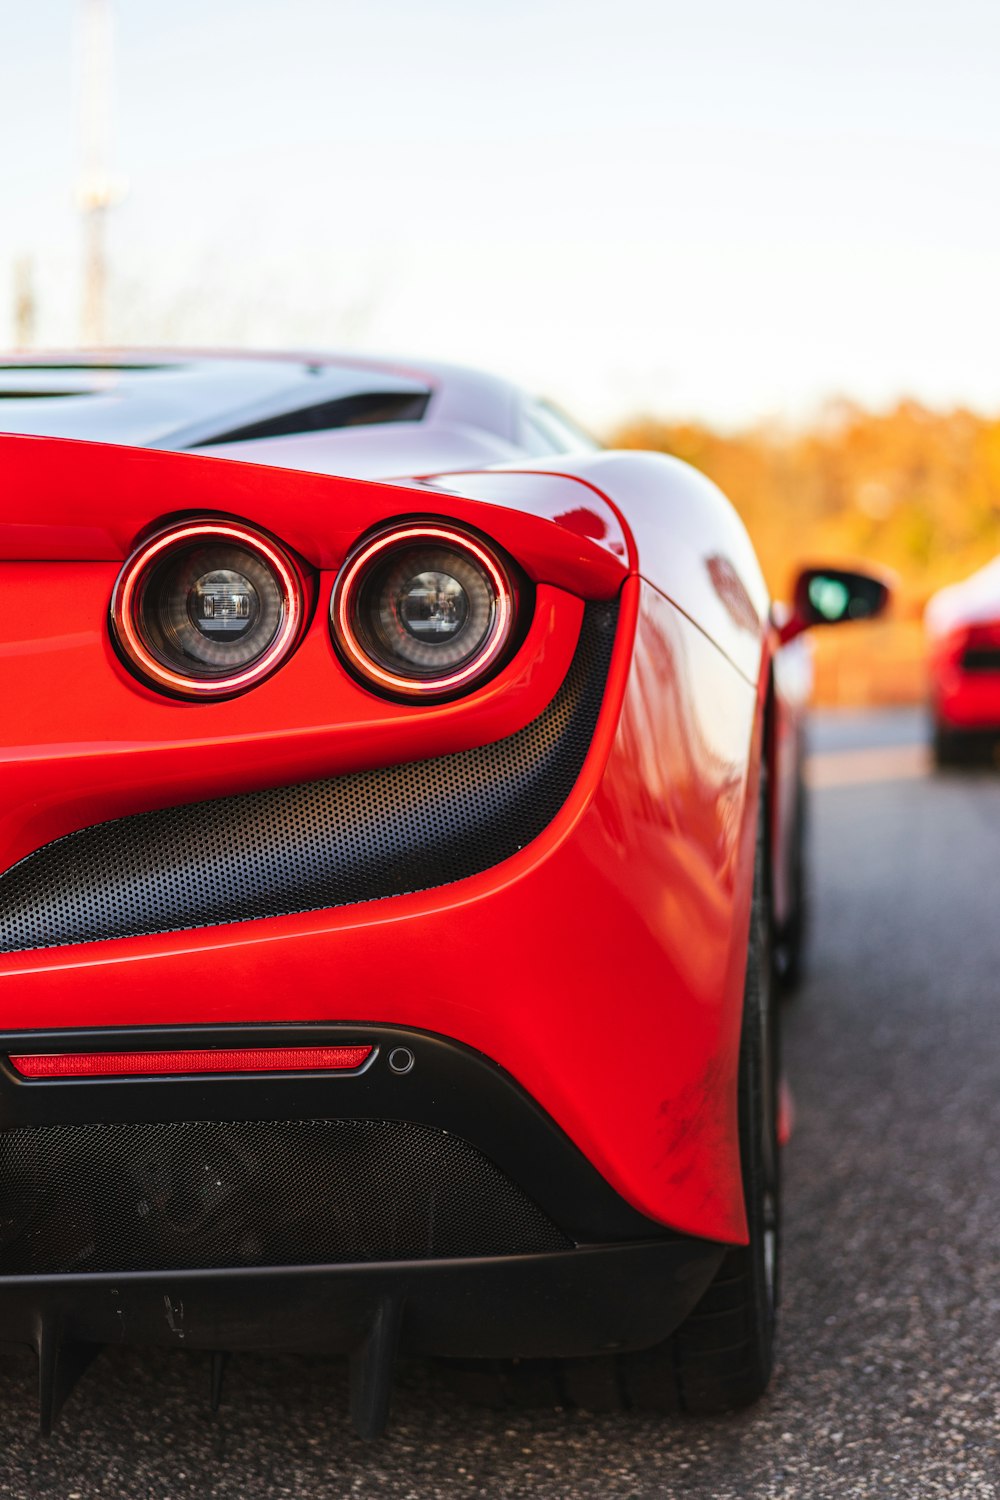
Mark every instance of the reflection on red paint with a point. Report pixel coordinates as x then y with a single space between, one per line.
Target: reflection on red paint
786 1113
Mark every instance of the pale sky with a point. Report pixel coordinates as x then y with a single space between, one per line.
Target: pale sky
722 208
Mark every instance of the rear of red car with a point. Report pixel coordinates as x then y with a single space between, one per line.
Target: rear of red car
361 990
967 676
963 626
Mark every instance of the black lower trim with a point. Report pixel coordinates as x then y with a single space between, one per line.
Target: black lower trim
578 1302
450 1087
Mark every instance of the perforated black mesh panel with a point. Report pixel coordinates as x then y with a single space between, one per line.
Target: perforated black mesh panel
202 1195
319 844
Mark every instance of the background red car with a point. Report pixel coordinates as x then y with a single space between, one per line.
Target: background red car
963 634
399 811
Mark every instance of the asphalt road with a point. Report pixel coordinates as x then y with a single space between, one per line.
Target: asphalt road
888 1381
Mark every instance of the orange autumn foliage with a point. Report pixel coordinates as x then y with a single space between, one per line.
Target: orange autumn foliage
911 490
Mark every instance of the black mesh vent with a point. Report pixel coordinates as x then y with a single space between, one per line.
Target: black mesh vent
320 844
205 1195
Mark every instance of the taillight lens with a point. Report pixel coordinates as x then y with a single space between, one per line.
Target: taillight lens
207 609
423 611
202 1060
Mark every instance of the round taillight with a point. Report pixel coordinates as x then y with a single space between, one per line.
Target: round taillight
207 609
423 611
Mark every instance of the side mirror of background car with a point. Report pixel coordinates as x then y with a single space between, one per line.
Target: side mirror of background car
833 596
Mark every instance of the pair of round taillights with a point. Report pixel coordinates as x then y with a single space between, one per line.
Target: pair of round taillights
208 609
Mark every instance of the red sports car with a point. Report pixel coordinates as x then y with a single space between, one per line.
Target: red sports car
398 814
963 634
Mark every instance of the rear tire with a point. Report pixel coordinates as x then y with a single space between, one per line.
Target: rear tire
949 747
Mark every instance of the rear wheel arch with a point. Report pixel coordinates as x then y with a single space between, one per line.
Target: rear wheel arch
720 1358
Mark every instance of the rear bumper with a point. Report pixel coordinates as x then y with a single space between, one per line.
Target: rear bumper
448 1091
78 1265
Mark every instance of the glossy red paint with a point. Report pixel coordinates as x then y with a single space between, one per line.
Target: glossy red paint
674 526
576 504
786 1113
690 544
166 1064
666 805
73 501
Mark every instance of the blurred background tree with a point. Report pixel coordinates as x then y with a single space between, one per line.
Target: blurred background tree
910 489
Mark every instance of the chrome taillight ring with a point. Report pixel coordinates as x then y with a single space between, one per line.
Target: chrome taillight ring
423 610
191 633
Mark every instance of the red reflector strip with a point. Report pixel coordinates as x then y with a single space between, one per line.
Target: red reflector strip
209 1060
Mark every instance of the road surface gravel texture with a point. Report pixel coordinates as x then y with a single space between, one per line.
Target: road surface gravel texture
888 1378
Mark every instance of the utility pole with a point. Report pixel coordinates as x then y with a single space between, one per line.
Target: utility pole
99 192
25 305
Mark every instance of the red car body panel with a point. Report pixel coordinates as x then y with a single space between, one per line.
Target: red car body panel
966 699
561 533
602 966
691 546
